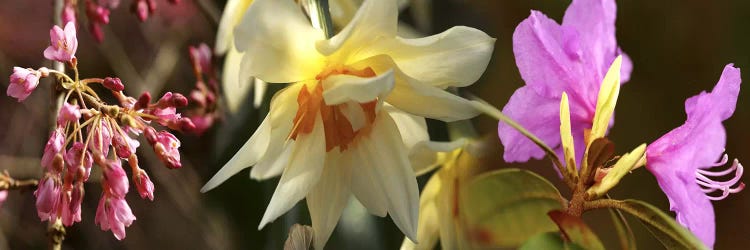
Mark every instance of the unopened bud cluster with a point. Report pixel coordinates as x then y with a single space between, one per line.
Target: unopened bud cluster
206 90
89 130
97 12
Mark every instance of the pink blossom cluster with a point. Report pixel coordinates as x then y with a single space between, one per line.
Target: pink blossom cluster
97 12
206 90
89 130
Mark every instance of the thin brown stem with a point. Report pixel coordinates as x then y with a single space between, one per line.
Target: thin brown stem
9 183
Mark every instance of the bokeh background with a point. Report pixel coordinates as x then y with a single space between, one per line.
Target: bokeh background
678 48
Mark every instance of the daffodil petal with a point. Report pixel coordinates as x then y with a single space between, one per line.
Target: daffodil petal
375 19
413 128
395 175
276 38
418 98
260 92
235 87
302 174
233 12
455 57
429 228
248 155
445 202
326 201
428 155
365 186
345 88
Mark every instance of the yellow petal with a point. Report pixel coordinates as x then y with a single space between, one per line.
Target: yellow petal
235 88
279 43
428 226
566 136
375 19
605 104
233 12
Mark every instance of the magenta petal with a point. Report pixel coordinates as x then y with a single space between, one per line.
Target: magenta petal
693 208
542 56
722 99
595 21
675 157
544 123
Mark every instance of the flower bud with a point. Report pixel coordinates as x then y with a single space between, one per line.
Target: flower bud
68 113
144 185
143 101
114 84
115 178
22 83
47 196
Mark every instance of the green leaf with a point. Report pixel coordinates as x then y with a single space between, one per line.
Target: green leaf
548 241
627 239
661 225
575 230
504 208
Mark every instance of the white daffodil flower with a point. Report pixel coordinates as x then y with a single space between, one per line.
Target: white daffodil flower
353 111
235 88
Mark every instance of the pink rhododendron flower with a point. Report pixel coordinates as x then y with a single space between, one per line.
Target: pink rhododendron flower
553 58
63 43
22 83
682 159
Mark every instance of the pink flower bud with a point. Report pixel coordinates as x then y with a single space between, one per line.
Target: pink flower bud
141 10
71 204
96 31
54 145
47 197
124 145
69 13
115 178
179 100
201 58
144 185
63 44
143 101
102 139
114 84
202 123
167 148
22 83
77 161
68 113
97 13
114 214
3 197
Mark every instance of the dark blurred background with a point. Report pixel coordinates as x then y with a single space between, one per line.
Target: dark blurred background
678 48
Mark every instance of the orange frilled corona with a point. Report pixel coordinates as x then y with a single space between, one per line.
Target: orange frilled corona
339 131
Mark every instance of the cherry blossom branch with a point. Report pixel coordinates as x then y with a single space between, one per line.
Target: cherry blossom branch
56 233
9 183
